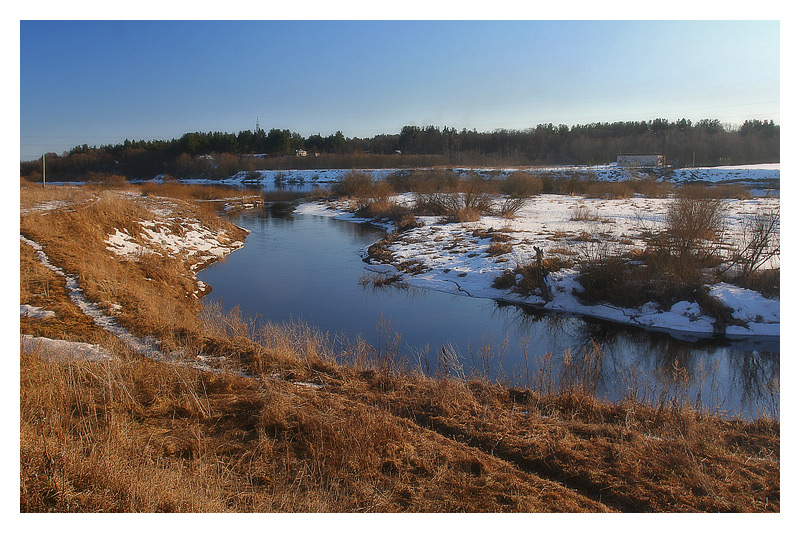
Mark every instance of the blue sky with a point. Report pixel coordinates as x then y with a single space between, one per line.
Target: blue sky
100 82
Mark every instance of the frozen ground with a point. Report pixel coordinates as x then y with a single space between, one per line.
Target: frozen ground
454 258
764 176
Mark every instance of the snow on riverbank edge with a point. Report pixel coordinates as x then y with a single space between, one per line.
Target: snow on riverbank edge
164 233
468 270
753 174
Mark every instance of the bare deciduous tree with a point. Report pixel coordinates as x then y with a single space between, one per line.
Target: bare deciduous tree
759 243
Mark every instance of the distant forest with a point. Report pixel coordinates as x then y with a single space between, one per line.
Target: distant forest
215 154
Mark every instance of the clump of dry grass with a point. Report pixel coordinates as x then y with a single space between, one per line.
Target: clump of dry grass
499 248
582 213
527 279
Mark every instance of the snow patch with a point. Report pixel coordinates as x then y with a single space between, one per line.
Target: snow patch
31 311
59 350
453 257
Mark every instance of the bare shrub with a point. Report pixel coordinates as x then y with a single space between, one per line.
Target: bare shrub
651 188
757 245
608 190
670 269
611 280
530 278
406 222
473 200
572 184
476 194
358 185
106 179
385 209
692 223
767 282
510 206
175 189
521 185
720 191
425 181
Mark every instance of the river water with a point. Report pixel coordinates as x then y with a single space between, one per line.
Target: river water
308 268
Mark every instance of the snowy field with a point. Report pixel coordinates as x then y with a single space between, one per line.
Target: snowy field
454 258
756 176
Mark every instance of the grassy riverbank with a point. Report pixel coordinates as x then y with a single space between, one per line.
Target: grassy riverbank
291 423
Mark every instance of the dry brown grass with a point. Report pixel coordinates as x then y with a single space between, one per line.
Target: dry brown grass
521 185
41 287
174 189
499 248
134 435
608 190
32 195
154 291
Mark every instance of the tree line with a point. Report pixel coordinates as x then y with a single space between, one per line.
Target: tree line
216 154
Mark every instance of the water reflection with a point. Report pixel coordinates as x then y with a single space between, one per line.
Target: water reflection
730 374
310 267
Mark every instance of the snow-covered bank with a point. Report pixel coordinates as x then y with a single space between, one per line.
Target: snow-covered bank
454 258
193 240
742 173
752 175
165 228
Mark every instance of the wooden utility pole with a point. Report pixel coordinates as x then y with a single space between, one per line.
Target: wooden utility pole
43 181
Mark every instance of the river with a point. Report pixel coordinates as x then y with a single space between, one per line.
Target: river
308 268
